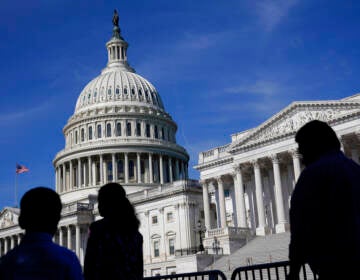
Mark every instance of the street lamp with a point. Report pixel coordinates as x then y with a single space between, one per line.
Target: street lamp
201 246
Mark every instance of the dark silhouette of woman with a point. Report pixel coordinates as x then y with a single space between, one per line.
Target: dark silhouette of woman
114 248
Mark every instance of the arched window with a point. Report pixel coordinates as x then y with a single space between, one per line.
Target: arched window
138 129
131 169
117 91
163 133
128 129
118 129
90 133
125 91
148 130
108 130
82 135
156 132
76 137
109 91
99 131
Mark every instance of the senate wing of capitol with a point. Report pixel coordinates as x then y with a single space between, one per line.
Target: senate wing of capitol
121 132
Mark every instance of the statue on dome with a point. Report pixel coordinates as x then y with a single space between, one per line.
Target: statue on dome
115 19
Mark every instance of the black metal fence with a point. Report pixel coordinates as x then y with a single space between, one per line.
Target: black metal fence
270 271
202 275
267 271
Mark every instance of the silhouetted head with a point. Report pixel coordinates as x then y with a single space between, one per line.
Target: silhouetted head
40 210
114 205
315 139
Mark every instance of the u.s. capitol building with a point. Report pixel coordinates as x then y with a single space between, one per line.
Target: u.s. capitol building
120 132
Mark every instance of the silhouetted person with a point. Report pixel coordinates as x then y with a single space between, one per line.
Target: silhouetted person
37 257
114 248
325 207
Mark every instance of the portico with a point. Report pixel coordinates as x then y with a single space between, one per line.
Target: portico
247 184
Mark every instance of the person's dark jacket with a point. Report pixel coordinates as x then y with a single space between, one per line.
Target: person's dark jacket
113 252
325 214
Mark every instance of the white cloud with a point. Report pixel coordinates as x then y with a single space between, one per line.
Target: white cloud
260 87
22 115
272 12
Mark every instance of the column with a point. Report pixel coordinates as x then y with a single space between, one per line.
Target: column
18 239
77 239
84 173
151 175
79 174
206 204
239 198
220 183
161 169
56 188
170 170
296 162
177 171
261 229
94 175
90 171
6 248
101 169
71 175
126 168
63 177
282 224
138 167
12 242
105 172
69 237
113 167
61 237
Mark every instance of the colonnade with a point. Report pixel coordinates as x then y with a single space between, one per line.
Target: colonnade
247 170
9 242
126 167
255 170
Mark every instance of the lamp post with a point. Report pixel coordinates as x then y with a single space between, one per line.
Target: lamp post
201 246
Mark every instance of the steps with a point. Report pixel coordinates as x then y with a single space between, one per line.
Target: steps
261 249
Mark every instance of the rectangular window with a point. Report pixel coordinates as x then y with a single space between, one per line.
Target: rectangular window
156 248
148 130
154 220
99 131
227 193
171 246
169 217
118 129
138 129
128 129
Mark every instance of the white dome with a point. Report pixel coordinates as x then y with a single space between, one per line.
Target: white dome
118 86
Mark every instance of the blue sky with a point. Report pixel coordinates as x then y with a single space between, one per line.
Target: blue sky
220 67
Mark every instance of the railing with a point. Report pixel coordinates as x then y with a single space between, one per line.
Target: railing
270 271
187 251
203 275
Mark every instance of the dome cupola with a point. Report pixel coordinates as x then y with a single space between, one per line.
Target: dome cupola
119 132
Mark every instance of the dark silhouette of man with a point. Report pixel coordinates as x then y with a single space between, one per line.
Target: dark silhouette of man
325 207
37 257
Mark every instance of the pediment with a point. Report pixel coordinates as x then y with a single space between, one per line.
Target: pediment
289 120
9 217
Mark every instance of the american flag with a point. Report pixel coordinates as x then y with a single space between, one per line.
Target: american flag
21 169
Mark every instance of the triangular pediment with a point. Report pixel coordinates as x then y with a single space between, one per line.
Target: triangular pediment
290 119
9 217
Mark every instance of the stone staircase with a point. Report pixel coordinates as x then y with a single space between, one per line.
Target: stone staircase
261 249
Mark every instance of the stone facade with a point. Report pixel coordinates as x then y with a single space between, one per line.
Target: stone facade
247 184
